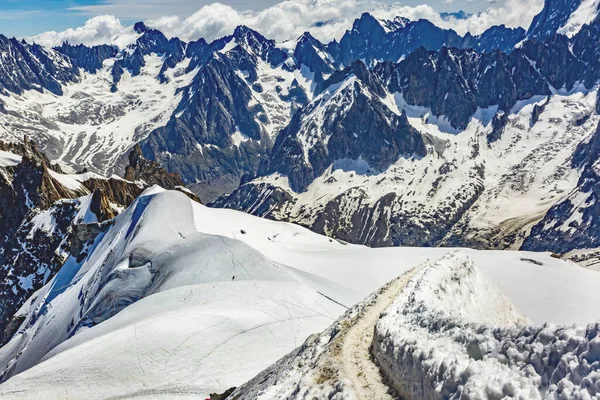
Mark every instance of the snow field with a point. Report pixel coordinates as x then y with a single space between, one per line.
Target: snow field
162 277
335 364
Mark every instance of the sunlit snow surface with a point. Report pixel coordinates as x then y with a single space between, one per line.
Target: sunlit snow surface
452 334
8 159
584 14
194 329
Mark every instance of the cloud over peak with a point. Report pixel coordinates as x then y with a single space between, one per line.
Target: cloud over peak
325 19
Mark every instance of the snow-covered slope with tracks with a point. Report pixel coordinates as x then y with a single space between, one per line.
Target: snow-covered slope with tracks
169 295
451 333
442 330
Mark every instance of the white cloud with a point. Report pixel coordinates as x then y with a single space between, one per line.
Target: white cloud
103 29
325 19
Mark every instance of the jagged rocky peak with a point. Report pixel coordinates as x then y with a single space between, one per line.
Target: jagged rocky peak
199 52
202 141
149 172
364 41
374 41
360 71
453 83
368 26
151 41
498 37
395 24
315 55
33 67
39 205
90 59
249 44
140 27
347 121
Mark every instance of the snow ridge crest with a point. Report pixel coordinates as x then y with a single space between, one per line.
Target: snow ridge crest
452 333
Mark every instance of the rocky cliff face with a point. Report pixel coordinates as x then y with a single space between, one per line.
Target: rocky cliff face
90 59
193 141
149 172
553 16
575 222
454 83
374 41
472 110
348 121
32 67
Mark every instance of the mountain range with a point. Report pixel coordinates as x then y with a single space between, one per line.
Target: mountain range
399 134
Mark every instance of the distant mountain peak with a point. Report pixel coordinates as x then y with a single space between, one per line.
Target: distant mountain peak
565 17
456 15
140 27
368 24
243 32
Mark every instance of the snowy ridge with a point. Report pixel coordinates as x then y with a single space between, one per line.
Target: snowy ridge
182 283
153 310
452 334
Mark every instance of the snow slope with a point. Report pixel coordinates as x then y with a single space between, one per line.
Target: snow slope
584 14
442 330
335 364
8 159
187 283
154 309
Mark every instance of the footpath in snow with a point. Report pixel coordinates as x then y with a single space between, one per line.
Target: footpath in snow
336 364
441 331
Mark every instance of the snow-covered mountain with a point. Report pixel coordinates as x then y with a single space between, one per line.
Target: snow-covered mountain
399 134
151 92
443 329
283 119
495 127
177 299
48 216
565 17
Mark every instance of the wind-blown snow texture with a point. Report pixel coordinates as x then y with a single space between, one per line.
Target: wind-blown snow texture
452 334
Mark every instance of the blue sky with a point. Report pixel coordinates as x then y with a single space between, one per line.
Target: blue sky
31 17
